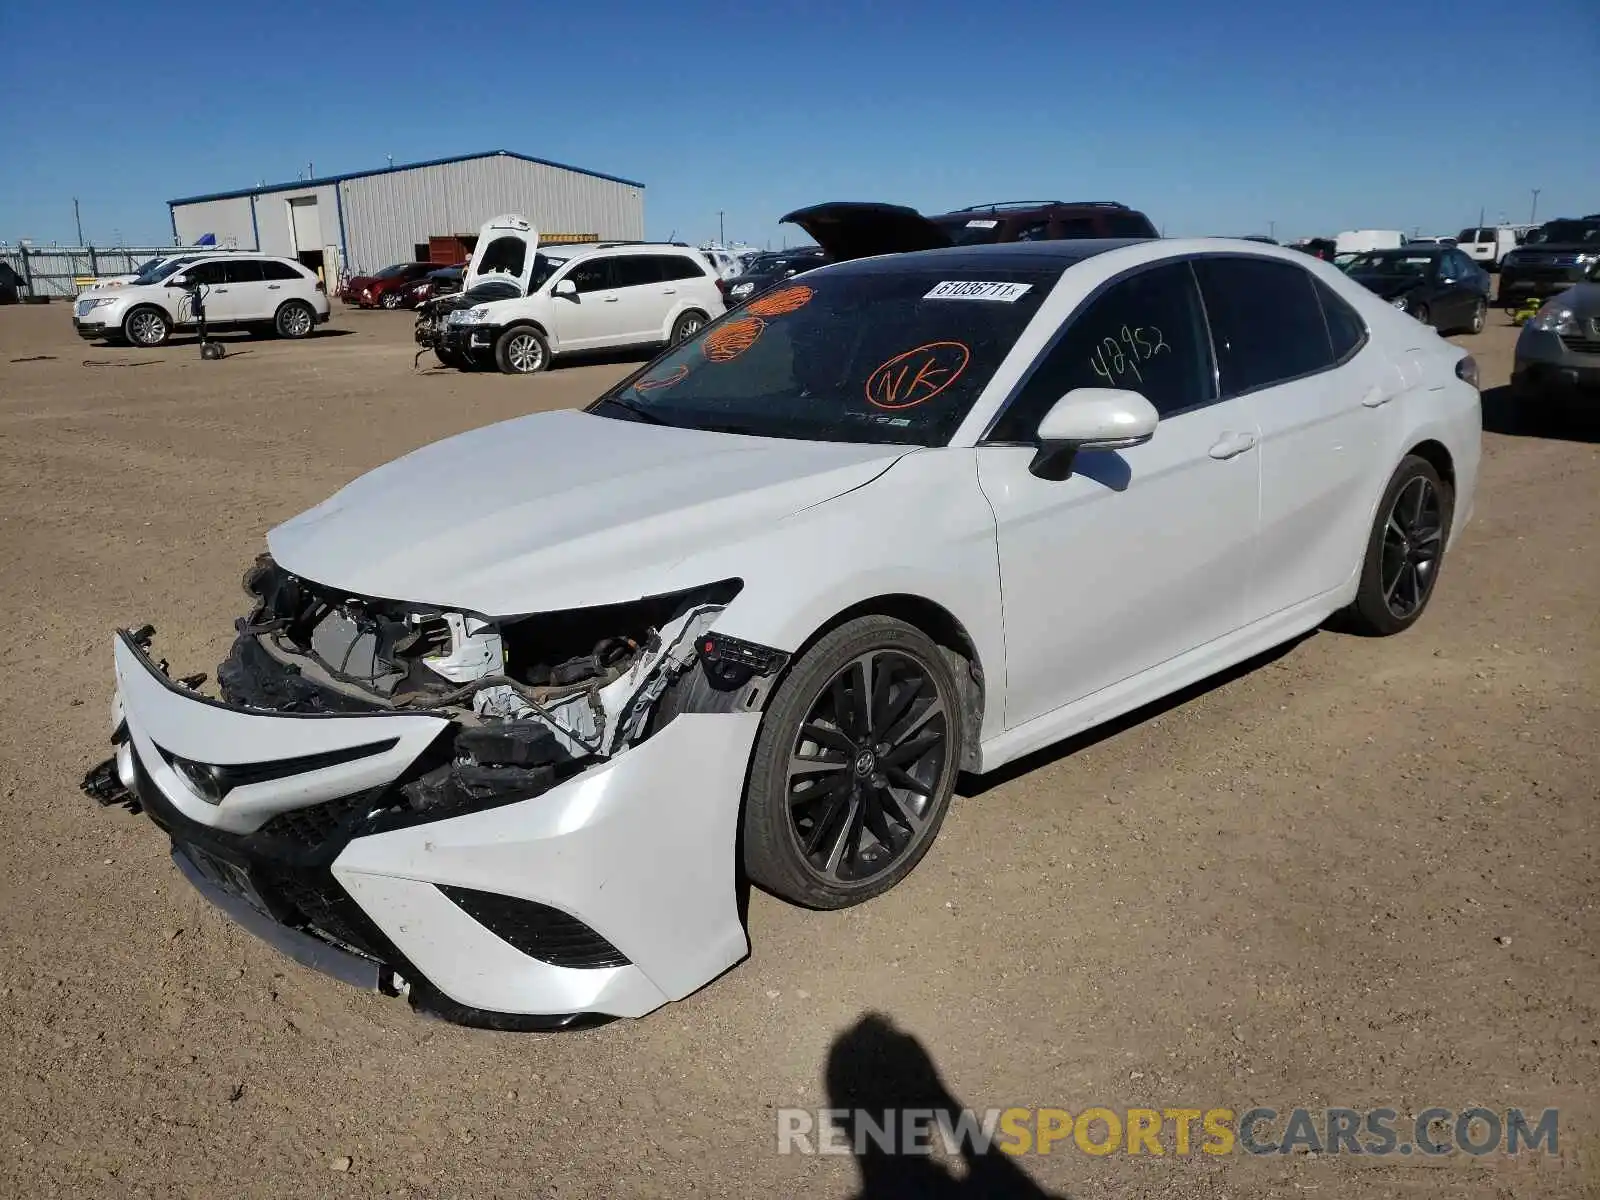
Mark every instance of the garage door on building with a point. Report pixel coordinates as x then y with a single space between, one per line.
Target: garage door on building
305 226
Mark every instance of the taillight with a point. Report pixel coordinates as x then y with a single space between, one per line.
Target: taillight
1467 369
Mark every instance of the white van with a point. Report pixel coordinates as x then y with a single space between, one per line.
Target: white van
1486 245
1359 241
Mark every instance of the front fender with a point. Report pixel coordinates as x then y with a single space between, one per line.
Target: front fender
923 528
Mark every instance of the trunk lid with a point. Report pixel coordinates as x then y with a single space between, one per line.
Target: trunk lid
847 229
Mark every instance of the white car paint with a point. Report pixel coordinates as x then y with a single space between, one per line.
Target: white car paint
1235 527
1358 241
101 311
599 318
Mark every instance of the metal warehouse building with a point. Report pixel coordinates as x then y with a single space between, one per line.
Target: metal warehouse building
370 219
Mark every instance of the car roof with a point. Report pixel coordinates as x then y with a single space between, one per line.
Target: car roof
1058 254
584 249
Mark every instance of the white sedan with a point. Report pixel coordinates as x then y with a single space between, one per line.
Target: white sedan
510 717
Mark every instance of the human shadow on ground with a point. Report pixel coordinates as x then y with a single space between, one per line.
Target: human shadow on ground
873 1067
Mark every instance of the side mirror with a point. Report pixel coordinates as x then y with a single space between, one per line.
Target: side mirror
1090 419
565 287
178 281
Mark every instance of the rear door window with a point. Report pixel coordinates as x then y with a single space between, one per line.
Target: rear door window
243 270
635 270
1266 322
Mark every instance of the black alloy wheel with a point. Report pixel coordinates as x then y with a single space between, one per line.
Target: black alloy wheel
854 769
1404 550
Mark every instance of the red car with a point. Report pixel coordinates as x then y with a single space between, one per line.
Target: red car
383 290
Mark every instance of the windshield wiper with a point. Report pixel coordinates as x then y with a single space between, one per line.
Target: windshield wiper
639 411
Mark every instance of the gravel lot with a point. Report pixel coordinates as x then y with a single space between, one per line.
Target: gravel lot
1360 872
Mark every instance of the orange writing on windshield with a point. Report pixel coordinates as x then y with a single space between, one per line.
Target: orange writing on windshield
916 376
784 300
650 385
726 342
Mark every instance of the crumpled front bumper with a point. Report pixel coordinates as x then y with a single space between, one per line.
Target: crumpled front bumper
639 848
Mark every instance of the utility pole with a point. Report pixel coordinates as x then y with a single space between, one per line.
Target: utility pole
1272 230
77 220
1533 215
722 237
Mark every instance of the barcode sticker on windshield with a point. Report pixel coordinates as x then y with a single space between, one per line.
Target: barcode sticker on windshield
966 289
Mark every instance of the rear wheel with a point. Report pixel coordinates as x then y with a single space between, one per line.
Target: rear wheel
687 325
854 765
521 351
146 327
1404 550
1421 313
390 300
295 319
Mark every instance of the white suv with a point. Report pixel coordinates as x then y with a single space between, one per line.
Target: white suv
521 305
235 290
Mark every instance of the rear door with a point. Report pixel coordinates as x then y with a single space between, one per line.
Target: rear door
248 297
1321 416
643 298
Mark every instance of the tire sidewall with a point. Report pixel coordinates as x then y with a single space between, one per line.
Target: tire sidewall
678 335
283 310
166 326
391 300
1371 611
502 349
772 857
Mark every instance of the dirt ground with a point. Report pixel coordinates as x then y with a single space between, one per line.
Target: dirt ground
1361 872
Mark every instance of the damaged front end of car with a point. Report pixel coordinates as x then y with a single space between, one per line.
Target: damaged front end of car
482 812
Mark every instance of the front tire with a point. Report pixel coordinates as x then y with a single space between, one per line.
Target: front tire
853 769
521 351
1480 316
1404 550
391 300
146 326
295 320
1421 313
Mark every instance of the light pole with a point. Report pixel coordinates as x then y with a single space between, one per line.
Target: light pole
1272 230
722 238
1533 213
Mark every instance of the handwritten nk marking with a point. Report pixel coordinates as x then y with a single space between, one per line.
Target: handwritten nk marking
1121 355
916 375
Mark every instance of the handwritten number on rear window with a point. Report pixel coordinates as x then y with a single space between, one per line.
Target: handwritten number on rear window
1115 358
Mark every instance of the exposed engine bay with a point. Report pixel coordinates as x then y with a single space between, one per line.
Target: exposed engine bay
534 698
433 314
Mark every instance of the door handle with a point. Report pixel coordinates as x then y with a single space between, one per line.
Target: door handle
669 291
1231 444
272 287
1376 396
611 299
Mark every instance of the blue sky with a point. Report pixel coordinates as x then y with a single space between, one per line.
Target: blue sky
1211 117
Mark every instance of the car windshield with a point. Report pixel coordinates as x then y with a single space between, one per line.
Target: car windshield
970 229
1565 233
162 269
853 356
1389 264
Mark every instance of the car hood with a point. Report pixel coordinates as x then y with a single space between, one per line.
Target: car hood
847 229
560 510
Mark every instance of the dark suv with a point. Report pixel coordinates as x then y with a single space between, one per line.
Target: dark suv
1553 258
855 229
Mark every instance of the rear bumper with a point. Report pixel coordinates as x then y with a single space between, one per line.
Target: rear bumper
639 849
